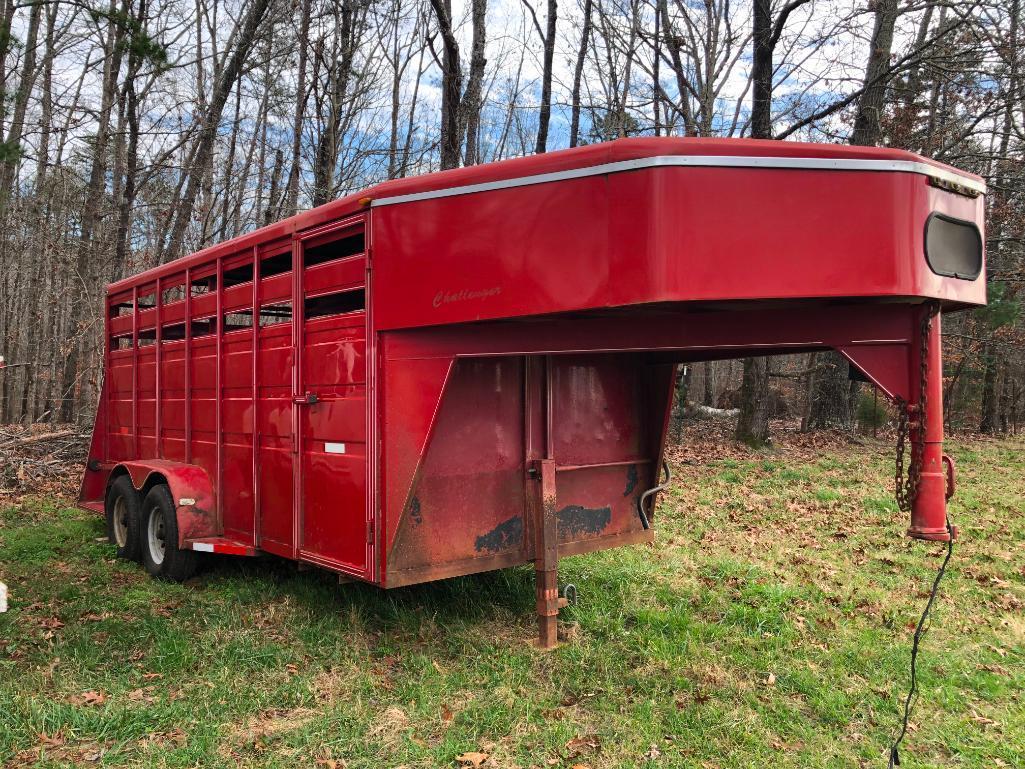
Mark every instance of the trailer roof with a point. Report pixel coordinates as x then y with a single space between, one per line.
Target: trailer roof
608 157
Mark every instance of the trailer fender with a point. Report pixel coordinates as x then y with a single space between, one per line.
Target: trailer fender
191 490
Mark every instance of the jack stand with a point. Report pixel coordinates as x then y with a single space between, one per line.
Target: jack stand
546 557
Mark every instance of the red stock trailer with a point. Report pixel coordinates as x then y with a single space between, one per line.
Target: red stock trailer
473 369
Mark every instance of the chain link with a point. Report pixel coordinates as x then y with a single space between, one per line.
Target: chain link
906 485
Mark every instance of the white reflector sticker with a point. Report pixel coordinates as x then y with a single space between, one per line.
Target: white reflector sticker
334 448
203 547
185 501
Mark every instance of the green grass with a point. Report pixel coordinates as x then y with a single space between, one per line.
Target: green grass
768 626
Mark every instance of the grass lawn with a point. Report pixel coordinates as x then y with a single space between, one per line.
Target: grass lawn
768 626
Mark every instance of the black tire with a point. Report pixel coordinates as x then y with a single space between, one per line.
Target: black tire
123 507
158 537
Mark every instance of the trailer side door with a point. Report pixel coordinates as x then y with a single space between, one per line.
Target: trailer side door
332 519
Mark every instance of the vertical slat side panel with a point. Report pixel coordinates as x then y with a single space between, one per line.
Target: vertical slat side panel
297 346
255 407
219 395
135 372
160 364
188 366
108 385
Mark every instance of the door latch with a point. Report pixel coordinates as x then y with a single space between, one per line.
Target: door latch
306 400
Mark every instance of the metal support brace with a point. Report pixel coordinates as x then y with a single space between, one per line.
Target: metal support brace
546 555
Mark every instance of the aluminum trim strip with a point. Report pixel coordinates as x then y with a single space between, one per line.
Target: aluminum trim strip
700 161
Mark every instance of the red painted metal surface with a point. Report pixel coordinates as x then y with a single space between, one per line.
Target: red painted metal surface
193 493
399 390
929 512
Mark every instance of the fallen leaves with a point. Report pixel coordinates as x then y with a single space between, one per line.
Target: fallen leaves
144 694
97 617
472 758
588 742
981 719
91 698
55 749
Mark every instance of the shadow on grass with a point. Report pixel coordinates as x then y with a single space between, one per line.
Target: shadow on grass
476 599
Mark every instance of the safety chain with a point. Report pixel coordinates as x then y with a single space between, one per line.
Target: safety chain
906 485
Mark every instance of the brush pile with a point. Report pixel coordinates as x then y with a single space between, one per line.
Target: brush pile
41 457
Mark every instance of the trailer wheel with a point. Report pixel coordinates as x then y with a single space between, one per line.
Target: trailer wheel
123 518
159 536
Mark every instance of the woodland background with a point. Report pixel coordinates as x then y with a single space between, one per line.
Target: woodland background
135 131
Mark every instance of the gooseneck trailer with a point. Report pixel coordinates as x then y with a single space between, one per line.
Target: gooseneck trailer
473 369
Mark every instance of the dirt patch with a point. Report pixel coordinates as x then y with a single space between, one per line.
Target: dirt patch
57 750
390 727
262 728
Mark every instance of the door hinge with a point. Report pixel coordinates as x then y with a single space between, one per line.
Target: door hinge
370 532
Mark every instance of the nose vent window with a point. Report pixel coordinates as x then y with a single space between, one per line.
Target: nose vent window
953 247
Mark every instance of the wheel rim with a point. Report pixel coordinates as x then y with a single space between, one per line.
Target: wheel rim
120 520
155 536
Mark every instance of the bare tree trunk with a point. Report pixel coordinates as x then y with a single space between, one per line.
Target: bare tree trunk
545 114
243 43
913 81
407 144
131 152
6 22
765 36
672 43
275 181
460 112
469 109
708 395
301 98
830 404
867 126
33 344
229 162
989 422
8 177
578 72
339 77
78 315
761 71
809 392
21 99
451 86
396 90
753 420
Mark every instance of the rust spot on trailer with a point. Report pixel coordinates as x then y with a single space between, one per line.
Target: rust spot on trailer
505 536
414 511
575 520
195 521
631 480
